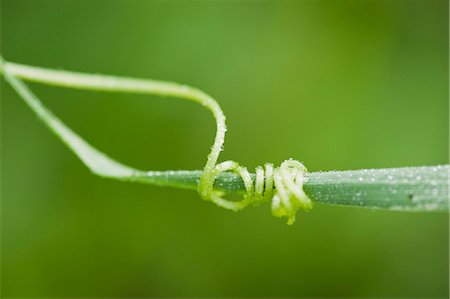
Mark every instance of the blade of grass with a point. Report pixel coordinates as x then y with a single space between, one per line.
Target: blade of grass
418 189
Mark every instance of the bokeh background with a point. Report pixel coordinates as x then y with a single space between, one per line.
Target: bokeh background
336 84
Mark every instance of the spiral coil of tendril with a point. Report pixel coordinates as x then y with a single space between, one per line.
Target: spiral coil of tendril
283 185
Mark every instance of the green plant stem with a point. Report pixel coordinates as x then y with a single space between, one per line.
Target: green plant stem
405 189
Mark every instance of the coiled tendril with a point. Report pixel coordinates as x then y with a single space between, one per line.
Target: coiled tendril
283 185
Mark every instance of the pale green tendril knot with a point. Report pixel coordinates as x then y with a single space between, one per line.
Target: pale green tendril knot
283 185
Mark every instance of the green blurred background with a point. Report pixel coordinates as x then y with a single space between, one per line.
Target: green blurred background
336 84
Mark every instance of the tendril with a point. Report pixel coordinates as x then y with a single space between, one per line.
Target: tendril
283 185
